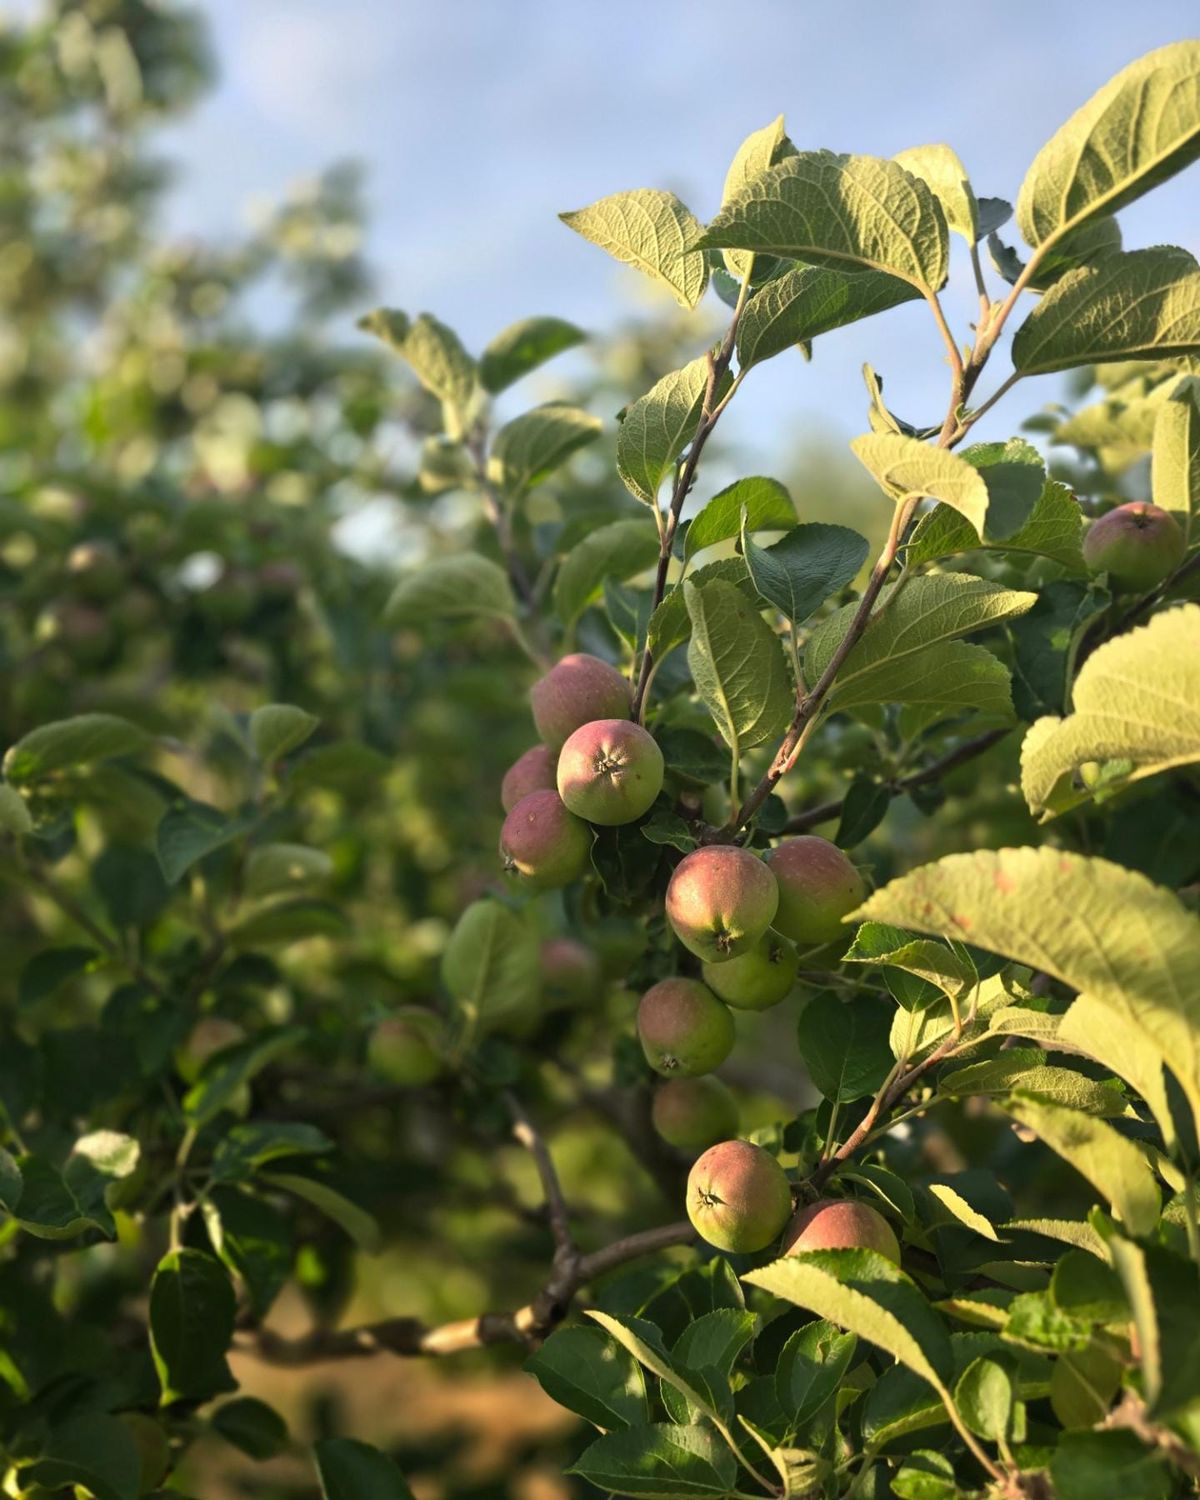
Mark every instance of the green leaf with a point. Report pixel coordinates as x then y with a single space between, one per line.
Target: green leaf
1054 529
810 1369
288 921
350 1470
356 1221
451 588
985 1398
864 807
10 1182
254 1240
806 567
904 467
1111 1163
14 815
272 868
191 830
344 766
72 742
589 1373
1142 304
767 505
858 210
528 449
661 1462
432 352
277 729
946 968
232 1068
1025 1068
1111 1039
954 1207
49 970
246 1148
1046 640
490 965
1067 1231
893 661
1110 1465
1176 457
191 1324
864 1293
807 301
252 1426
844 1045
714 1340
94 1453
522 347
760 150
670 625
658 426
1104 931
49 1209
644 1341
618 551
1139 129
738 666
652 231
941 170
1136 699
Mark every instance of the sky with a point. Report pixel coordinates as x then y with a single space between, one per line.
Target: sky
479 120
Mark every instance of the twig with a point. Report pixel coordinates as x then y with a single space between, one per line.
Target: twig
934 771
556 1204
410 1337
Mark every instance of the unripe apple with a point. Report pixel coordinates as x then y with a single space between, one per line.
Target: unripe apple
692 1113
720 901
210 1035
95 570
818 886
575 691
542 844
531 772
840 1224
571 972
153 1449
683 1027
757 979
1137 545
738 1197
1083 1384
610 771
408 1048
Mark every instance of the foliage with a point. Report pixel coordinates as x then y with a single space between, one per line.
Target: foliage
250 803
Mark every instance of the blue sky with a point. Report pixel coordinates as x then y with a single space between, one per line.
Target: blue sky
478 120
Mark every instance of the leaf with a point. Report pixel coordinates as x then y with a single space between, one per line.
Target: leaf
619 550
432 352
1176 457
1103 930
905 466
958 1209
277 729
864 1293
862 211
350 1470
1046 640
345 766
644 1341
1025 1068
864 807
1136 699
939 167
661 1462
589 1373
245 1148
356 1221
1142 304
232 1068
48 1207
738 666
893 662
528 449
451 588
760 150
93 1453
1111 1163
10 1182
985 1398
806 567
1067 1231
191 1324
808 301
1110 1039
490 965
670 624
652 231
810 1369
934 963
1054 529
767 506
714 1340
844 1045
658 426
252 1426
272 868
522 347
1139 129
72 742
191 830
14 815
254 1240
49 970
1108 1465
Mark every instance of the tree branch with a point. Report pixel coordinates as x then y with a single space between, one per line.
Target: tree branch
410 1337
